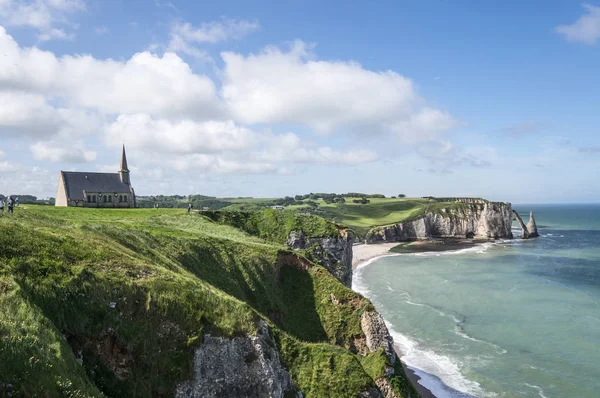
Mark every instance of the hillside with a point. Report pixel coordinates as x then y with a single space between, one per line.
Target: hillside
127 303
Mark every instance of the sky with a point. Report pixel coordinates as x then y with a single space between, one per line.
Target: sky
271 98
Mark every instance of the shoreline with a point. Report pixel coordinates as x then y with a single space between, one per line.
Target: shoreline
369 252
364 254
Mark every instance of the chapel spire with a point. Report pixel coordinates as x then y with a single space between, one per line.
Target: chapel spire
124 160
124 172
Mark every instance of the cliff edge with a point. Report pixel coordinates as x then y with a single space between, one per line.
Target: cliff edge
481 219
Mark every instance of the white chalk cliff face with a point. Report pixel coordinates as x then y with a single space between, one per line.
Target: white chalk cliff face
474 220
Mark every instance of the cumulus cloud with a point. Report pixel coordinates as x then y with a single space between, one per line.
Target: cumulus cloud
42 15
147 83
586 29
275 86
54 151
184 136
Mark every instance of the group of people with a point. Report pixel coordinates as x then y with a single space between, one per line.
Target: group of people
10 203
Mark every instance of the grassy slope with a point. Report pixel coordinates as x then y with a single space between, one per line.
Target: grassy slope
130 293
361 218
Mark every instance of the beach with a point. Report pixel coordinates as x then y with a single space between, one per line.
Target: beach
363 252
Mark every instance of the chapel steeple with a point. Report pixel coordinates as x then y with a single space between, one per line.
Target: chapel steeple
124 171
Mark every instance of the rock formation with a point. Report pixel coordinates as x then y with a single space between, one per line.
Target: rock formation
475 220
238 367
532 227
527 231
335 254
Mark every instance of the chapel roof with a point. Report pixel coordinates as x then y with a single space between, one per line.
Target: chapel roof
78 181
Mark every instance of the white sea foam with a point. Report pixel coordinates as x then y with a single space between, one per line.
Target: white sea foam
538 389
439 374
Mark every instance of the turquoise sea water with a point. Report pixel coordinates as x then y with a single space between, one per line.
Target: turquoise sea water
508 319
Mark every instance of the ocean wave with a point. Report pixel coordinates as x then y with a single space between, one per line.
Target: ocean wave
459 331
538 389
439 373
478 249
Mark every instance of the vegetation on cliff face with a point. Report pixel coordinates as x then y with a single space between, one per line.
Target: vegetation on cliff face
114 302
274 225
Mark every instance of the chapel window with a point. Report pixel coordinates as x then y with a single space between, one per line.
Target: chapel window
89 198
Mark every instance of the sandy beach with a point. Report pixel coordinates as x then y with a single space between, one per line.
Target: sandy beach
364 252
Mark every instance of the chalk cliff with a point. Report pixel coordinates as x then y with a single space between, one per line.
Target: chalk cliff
333 253
238 367
470 220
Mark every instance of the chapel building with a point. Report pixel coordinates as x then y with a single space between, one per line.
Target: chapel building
87 189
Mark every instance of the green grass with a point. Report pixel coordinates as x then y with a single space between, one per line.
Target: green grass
129 293
379 212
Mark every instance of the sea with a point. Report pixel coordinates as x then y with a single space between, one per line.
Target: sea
513 318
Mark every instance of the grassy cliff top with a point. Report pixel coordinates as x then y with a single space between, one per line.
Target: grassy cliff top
110 301
378 212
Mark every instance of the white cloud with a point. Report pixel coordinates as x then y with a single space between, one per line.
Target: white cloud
6 166
185 37
42 15
289 148
54 151
55 34
31 115
289 87
426 124
146 83
213 32
2 154
185 136
586 29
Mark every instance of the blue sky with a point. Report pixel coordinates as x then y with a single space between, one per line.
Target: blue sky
269 98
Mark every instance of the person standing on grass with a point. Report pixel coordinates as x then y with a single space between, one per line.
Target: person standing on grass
1 206
10 204
189 207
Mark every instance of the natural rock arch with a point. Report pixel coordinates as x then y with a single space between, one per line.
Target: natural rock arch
527 231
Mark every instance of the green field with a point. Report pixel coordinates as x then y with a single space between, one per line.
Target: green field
114 302
362 217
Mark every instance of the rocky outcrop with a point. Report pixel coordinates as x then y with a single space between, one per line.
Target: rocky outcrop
377 338
335 253
472 220
532 226
377 334
238 367
527 231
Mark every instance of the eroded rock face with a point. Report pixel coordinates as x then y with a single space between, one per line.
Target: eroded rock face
238 367
478 220
532 226
377 334
335 254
